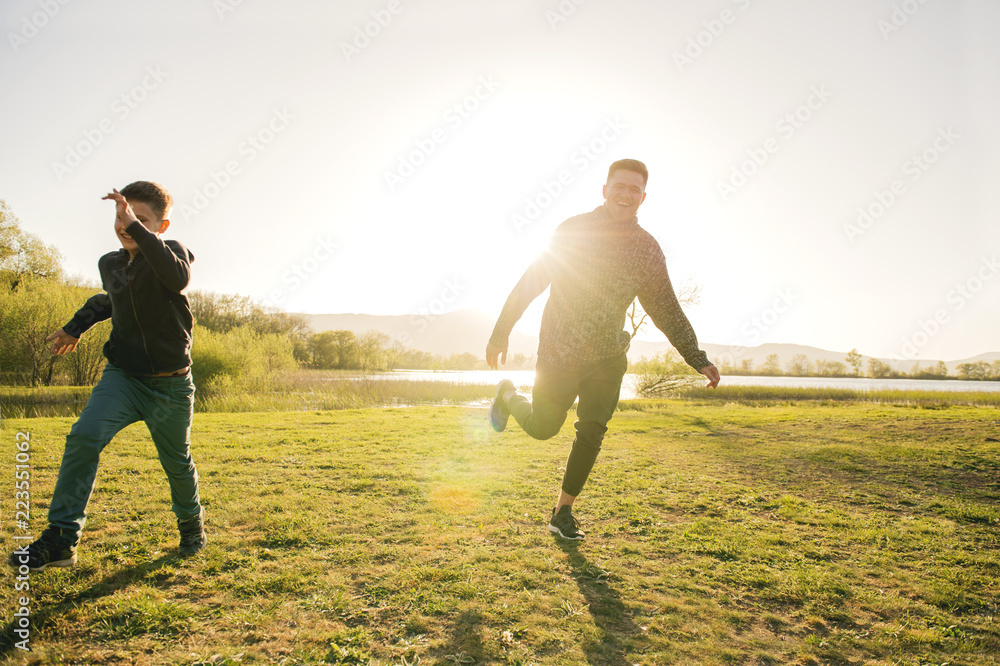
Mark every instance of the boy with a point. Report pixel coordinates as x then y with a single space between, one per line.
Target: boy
596 265
147 376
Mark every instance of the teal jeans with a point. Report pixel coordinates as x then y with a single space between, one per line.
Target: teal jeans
165 404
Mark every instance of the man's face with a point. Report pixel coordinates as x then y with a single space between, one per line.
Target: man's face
623 194
146 216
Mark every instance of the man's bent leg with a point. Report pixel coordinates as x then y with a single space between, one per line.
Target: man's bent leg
111 408
599 393
168 414
551 398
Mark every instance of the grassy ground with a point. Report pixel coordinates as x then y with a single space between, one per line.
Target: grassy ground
718 533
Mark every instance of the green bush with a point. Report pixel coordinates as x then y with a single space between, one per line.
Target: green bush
664 374
239 359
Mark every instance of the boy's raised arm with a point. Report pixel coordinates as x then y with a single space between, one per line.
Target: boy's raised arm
173 267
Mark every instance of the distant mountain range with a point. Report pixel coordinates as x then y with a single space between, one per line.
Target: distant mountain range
468 330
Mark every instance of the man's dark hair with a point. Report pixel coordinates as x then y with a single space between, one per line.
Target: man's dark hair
630 165
153 195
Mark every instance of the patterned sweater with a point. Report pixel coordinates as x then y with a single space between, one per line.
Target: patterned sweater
596 268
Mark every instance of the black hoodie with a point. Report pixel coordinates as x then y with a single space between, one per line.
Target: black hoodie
151 318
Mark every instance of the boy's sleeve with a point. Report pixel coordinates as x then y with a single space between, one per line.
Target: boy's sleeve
658 299
172 266
96 309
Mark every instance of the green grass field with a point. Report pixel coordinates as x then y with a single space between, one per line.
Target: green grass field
718 533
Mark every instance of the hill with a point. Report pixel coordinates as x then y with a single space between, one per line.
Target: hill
467 330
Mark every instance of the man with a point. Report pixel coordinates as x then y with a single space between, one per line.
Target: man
596 265
147 376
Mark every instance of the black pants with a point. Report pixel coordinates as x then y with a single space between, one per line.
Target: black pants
598 386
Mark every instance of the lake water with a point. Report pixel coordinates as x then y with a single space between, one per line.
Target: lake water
524 379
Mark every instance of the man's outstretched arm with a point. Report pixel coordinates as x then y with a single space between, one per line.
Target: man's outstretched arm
659 300
534 281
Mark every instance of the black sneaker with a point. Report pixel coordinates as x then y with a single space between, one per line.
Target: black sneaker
565 525
192 532
49 550
498 410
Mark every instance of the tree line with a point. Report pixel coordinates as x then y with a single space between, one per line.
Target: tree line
237 340
853 366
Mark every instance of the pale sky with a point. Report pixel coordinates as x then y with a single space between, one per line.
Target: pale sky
383 157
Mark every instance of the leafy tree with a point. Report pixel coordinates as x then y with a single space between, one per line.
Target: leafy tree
27 316
373 350
348 351
830 368
772 365
978 370
24 255
224 312
878 369
323 350
240 358
854 360
799 365
941 370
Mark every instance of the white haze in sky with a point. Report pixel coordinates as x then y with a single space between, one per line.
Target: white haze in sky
825 171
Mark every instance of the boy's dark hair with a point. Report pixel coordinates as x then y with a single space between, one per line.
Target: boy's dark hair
630 165
153 195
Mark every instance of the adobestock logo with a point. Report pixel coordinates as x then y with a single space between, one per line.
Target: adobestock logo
450 293
563 11
121 108
323 250
786 127
454 117
581 158
704 39
248 150
914 168
900 16
958 297
33 24
363 35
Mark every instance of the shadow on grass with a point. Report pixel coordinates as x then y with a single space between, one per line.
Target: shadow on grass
607 609
466 643
117 580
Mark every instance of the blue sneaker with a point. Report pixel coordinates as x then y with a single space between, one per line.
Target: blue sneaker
498 410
